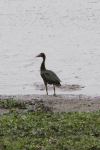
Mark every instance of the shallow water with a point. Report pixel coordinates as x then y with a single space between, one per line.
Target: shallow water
68 32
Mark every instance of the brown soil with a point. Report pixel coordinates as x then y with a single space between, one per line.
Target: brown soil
67 103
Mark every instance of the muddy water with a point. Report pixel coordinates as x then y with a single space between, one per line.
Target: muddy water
68 32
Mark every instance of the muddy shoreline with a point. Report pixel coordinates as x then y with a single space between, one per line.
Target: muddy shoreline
65 102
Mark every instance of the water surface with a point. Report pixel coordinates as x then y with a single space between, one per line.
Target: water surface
68 32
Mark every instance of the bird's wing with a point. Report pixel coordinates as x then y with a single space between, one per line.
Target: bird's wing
50 76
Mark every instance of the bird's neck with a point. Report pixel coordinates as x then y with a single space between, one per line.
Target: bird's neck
43 65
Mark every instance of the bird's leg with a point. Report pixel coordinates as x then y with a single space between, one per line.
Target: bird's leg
54 89
46 88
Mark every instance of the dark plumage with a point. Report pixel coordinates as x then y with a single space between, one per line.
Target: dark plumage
48 76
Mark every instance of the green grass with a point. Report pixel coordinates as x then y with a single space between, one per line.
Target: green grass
47 130
9 103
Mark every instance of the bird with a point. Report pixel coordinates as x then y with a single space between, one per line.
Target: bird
48 76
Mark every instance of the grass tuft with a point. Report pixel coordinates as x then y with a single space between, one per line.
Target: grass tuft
9 103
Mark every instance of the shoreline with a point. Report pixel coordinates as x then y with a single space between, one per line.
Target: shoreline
61 103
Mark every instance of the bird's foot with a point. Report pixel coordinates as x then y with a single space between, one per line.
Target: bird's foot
54 95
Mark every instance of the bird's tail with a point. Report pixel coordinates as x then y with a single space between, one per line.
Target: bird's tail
58 84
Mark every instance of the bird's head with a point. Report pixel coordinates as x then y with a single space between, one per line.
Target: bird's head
41 55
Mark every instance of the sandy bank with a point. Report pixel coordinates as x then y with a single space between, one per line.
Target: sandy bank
67 103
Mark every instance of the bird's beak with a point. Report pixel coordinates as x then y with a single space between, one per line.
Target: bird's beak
38 55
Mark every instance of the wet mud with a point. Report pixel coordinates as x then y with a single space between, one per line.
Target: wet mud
61 103
64 87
